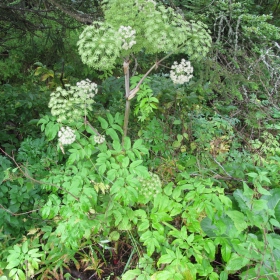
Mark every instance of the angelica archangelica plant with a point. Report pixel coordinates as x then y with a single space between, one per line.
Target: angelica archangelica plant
73 102
181 73
66 136
132 26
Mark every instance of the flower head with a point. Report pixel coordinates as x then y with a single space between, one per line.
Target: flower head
181 73
99 139
73 102
66 136
87 88
127 35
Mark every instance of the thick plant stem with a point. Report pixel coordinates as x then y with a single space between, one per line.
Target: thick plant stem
126 117
127 92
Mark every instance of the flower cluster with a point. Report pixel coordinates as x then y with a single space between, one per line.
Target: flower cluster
164 30
73 102
150 187
66 136
99 139
101 187
87 89
181 73
127 35
99 46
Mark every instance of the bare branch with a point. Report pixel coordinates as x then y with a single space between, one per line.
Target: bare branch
78 16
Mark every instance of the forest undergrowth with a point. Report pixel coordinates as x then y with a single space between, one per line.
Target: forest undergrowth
151 152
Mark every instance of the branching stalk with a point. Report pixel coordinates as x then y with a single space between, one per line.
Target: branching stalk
130 94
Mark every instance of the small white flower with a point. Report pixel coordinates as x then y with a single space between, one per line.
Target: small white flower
127 35
181 73
66 136
99 139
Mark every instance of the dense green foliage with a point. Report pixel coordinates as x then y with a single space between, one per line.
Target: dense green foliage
189 189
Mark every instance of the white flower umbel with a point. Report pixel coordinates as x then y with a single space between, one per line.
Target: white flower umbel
181 73
99 139
150 187
73 102
66 136
88 89
127 36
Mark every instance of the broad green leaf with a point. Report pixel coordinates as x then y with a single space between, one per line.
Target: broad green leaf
150 246
177 122
46 212
253 174
33 251
238 219
111 174
236 262
118 217
135 164
84 203
114 236
110 118
190 239
176 193
166 258
137 144
274 202
158 226
12 272
223 275
226 251
117 127
21 274
140 170
277 211
259 205
72 158
112 133
243 201
274 223
102 168
118 184
140 213
124 224
125 162
262 190
168 189
210 249
131 274
127 143
208 227
13 263
144 225
103 122
51 130
131 155
17 248
117 146
34 263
